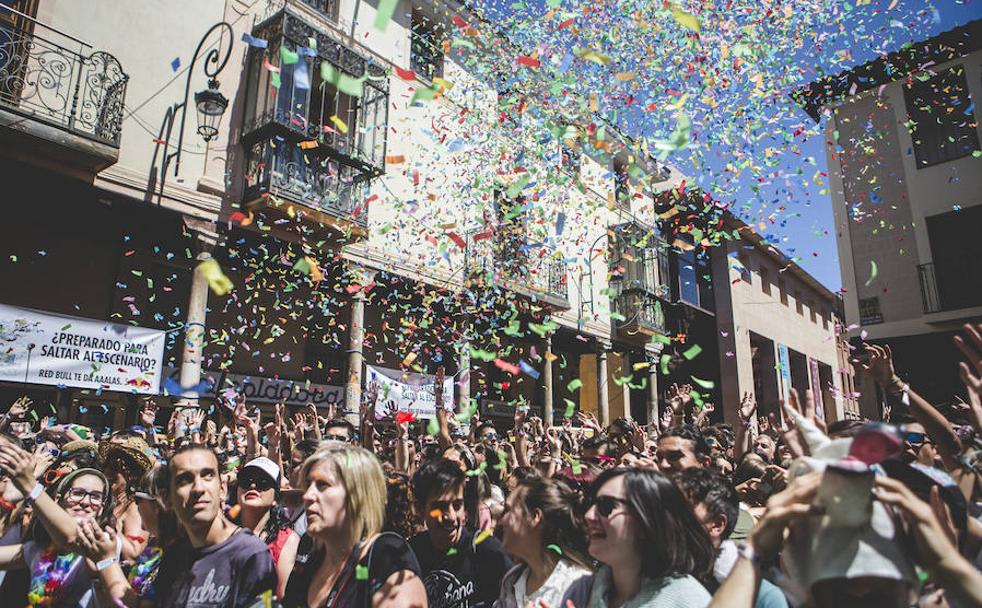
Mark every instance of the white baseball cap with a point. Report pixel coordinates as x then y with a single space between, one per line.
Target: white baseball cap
266 466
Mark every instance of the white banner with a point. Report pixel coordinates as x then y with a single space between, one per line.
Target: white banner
408 391
258 389
46 348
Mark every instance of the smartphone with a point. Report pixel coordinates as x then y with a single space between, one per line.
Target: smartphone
846 493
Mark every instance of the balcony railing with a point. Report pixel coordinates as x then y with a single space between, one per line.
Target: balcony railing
534 271
301 176
953 285
53 78
639 311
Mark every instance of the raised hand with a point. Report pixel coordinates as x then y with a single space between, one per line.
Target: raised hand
95 544
148 413
18 409
879 365
971 346
748 406
19 465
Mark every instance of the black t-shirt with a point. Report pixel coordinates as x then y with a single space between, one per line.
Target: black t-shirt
469 577
388 554
227 575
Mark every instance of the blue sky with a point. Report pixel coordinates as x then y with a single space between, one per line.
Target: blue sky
811 232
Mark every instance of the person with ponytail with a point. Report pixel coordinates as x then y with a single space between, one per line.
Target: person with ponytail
544 532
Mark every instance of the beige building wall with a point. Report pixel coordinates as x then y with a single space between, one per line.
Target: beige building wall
894 234
795 313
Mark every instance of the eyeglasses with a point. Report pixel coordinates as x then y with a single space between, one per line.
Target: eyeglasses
606 504
491 437
77 496
262 482
343 438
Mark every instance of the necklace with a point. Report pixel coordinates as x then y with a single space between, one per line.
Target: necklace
145 571
48 577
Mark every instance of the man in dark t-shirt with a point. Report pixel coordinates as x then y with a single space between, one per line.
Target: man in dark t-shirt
219 565
461 568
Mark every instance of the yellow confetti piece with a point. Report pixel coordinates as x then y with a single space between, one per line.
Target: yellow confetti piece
219 283
340 124
686 20
482 536
409 359
624 76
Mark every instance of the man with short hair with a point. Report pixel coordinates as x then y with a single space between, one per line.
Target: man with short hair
717 507
460 568
682 447
219 564
339 429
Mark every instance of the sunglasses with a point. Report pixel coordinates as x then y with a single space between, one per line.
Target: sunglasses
913 437
343 438
261 482
605 504
53 475
491 437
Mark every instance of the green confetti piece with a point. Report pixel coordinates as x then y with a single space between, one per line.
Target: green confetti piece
692 352
433 427
502 461
483 355
451 551
274 79
577 467
480 469
570 408
555 548
574 384
386 8
424 94
872 273
516 188
289 57
665 359
361 572
706 384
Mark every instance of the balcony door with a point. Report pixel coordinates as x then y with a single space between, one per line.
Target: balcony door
956 250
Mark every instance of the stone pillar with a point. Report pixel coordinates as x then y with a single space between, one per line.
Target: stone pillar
356 342
547 397
652 352
464 374
194 334
603 399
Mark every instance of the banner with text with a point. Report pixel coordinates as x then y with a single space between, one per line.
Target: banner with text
259 389
408 391
47 348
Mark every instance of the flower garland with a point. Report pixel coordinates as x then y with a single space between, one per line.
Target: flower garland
48 577
144 572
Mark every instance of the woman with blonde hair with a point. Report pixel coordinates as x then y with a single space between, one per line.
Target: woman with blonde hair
344 559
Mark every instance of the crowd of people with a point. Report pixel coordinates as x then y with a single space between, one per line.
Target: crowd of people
223 509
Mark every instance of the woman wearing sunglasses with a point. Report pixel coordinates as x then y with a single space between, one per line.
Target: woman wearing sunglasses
58 575
543 532
651 546
259 508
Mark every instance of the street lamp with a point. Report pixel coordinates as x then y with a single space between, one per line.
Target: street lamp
209 103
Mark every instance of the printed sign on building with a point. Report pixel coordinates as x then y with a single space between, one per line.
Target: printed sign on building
45 348
258 389
408 391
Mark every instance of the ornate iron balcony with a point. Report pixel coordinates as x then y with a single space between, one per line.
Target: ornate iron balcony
275 167
53 78
642 312
506 261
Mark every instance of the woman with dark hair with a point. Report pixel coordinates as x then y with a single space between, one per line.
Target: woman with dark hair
258 508
652 547
119 588
543 532
59 576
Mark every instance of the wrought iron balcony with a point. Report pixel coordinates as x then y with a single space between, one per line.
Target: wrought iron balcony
274 167
330 95
509 263
953 285
425 56
638 312
62 86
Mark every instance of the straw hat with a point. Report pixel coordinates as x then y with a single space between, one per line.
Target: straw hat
134 449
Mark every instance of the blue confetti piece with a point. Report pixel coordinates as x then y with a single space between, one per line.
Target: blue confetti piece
254 42
176 64
566 62
528 370
560 223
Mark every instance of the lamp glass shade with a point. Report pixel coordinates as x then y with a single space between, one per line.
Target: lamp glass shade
210 105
